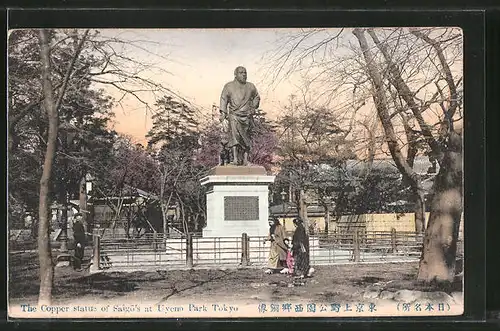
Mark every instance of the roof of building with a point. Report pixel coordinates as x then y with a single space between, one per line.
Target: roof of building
290 209
421 165
133 192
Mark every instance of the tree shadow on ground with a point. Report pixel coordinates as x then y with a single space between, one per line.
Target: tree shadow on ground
409 277
418 285
214 277
23 275
367 280
409 281
17 290
104 284
331 296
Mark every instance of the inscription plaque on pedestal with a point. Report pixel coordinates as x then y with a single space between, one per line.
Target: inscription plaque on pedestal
237 201
241 208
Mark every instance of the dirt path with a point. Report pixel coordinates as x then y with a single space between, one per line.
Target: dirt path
329 283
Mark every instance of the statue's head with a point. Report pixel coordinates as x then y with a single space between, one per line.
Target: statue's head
240 74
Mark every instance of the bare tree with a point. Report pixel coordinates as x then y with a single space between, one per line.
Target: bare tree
108 64
310 137
413 77
178 178
37 78
440 245
51 107
438 257
382 105
129 168
45 255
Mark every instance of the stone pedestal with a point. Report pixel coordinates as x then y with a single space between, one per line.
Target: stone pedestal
237 201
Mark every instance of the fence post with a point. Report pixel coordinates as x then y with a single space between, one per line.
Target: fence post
189 250
393 240
97 252
355 243
244 250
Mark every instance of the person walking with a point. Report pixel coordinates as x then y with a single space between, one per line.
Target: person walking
277 253
300 249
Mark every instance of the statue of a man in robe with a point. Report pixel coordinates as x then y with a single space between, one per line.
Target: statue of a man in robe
238 103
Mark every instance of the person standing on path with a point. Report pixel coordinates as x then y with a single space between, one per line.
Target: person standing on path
277 253
300 249
79 239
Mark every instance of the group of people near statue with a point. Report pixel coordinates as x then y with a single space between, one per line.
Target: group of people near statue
289 256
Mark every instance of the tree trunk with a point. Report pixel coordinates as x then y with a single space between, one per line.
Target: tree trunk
128 223
44 251
64 227
196 223
418 194
327 217
83 203
303 209
118 214
164 212
13 141
440 241
182 214
419 212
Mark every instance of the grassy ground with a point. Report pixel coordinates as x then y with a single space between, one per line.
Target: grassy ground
329 283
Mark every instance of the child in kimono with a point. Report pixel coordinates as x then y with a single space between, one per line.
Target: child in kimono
289 258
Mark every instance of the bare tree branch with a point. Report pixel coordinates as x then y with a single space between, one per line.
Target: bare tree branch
69 69
407 95
381 103
447 71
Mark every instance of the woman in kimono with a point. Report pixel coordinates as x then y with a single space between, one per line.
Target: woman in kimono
277 253
300 249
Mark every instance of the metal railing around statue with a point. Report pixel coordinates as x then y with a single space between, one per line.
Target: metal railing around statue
156 251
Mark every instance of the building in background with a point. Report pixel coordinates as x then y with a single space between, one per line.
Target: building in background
375 210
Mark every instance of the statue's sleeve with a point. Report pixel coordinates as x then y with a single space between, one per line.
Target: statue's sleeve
256 99
224 99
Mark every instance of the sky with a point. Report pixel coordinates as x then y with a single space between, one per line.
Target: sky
199 62
196 63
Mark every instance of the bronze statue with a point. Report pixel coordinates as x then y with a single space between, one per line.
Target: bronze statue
238 103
